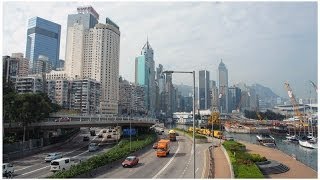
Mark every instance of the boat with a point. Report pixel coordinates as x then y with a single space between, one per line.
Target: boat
266 140
293 138
308 142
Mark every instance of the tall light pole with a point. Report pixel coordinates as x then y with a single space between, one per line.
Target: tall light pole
194 95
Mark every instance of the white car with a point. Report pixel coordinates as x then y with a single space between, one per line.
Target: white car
7 170
53 156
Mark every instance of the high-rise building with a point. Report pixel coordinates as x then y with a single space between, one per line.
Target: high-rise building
77 28
223 87
145 76
92 51
214 94
85 96
42 65
58 92
14 66
43 38
234 98
204 99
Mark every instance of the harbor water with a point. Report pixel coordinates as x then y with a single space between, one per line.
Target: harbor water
307 156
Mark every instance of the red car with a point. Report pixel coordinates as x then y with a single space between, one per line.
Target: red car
130 161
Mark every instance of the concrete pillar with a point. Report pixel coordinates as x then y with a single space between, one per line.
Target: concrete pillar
59 132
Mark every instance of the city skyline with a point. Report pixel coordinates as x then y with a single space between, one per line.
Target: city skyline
271 36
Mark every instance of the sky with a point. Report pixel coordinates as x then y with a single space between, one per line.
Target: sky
259 42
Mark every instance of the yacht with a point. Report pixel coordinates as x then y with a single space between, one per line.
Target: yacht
292 138
266 140
309 142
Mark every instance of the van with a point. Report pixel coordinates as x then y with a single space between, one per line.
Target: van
60 164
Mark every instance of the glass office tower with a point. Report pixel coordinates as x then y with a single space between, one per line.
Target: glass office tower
43 38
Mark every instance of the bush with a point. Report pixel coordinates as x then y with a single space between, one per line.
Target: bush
121 150
243 163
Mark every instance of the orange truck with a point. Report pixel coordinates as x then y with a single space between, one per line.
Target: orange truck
172 135
163 148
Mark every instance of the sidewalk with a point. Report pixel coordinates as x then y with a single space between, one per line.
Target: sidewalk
297 169
221 165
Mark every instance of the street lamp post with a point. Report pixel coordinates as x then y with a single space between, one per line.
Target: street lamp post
193 112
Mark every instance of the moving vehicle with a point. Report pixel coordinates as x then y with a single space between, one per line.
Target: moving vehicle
60 164
93 147
86 138
172 135
52 156
109 136
163 148
7 170
155 146
100 135
130 161
217 134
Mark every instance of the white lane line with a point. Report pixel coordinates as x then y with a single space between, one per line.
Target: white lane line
22 168
49 166
33 171
197 169
205 164
167 163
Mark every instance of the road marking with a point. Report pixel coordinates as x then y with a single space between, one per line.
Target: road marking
33 171
167 163
197 169
81 153
22 168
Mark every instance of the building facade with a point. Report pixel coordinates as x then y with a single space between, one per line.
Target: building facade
42 65
204 99
234 98
43 38
85 96
223 88
14 66
78 27
29 84
145 76
58 92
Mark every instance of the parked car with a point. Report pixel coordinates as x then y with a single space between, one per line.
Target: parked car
155 146
7 170
110 130
229 138
100 136
109 136
63 119
104 131
130 161
86 138
52 156
93 147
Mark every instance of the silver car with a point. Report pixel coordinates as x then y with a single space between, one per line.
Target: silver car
93 147
53 156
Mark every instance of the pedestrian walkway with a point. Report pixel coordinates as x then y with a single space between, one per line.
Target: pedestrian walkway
297 169
221 165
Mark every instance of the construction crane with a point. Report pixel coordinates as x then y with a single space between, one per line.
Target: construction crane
294 102
315 86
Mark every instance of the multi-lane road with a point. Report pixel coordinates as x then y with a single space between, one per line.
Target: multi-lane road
35 167
178 164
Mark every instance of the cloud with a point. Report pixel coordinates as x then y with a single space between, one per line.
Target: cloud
262 42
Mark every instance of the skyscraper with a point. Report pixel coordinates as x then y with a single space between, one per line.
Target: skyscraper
145 75
43 38
234 98
78 27
223 87
204 100
103 65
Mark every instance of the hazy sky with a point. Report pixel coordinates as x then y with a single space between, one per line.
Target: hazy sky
259 42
